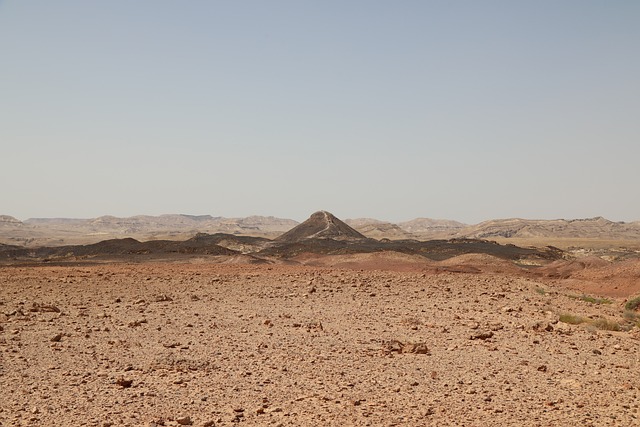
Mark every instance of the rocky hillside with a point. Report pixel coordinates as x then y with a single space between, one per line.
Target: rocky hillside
376 229
590 228
6 220
428 228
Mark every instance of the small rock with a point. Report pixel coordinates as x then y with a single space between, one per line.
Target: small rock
124 383
542 368
184 420
163 298
137 323
56 338
482 335
415 348
596 351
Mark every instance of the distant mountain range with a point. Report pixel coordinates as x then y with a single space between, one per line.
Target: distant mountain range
63 231
36 232
321 234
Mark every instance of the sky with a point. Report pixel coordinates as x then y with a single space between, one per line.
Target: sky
464 110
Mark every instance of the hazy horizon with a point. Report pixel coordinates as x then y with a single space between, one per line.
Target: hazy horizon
305 218
463 110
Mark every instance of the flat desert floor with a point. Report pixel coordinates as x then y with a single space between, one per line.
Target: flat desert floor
219 345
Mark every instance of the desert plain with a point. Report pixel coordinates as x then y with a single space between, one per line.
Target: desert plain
381 338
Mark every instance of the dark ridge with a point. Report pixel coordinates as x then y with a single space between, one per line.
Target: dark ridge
436 250
204 238
117 249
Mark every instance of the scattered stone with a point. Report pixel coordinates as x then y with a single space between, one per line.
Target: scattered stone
137 323
44 308
124 383
542 368
415 348
482 335
315 326
395 346
184 420
171 345
56 338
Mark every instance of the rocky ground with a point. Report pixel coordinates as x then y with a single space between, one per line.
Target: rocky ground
216 345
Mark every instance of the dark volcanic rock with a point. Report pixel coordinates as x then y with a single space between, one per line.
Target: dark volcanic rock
321 225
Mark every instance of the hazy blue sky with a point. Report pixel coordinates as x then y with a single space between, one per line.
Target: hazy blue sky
467 110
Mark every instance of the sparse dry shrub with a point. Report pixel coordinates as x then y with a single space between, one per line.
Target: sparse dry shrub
630 316
632 319
572 319
606 324
633 304
590 299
